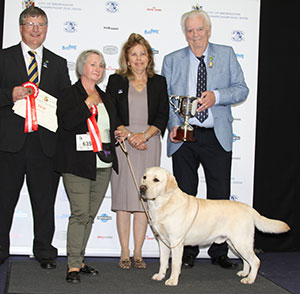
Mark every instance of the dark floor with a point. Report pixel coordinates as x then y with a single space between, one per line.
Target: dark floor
281 268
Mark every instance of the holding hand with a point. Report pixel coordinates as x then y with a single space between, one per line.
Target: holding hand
207 100
19 92
137 140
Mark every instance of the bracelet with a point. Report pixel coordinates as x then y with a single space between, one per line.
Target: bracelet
147 136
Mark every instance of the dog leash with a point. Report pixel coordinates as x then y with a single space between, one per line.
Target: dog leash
156 234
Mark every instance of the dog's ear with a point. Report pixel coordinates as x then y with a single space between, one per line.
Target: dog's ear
171 184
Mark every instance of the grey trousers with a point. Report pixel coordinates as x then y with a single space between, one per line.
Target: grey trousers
85 197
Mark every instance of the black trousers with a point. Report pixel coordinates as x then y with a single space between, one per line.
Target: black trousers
216 163
42 183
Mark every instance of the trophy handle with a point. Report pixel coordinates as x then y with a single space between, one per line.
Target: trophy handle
177 108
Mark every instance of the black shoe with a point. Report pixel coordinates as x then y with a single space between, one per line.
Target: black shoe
48 263
188 261
224 262
88 270
73 277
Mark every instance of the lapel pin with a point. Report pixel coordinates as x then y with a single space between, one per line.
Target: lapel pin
45 64
210 63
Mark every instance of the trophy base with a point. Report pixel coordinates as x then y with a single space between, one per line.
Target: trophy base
183 136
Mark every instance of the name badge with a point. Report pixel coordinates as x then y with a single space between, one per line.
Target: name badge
84 142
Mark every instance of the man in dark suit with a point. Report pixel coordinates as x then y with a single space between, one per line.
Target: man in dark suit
29 154
212 73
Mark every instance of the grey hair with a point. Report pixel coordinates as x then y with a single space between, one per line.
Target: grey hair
81 60
32 11
194 13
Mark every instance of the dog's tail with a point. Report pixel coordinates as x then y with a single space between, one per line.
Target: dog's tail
268 225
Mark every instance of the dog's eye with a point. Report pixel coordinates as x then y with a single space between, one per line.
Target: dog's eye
144 177
156 180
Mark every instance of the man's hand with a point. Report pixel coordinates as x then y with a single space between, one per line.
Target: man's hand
173 134
19 93
207 100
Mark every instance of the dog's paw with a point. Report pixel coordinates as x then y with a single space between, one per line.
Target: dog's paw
171 282
242 274
158 277
247 281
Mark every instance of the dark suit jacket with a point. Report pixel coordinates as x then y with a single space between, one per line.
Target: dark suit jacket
72 114
157 97
13 72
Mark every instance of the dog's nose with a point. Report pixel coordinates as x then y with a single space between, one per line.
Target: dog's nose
143 189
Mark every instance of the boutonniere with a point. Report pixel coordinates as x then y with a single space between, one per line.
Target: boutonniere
120 91
45 63
210 63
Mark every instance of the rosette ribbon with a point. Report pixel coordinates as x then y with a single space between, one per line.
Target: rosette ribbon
31 123
94 130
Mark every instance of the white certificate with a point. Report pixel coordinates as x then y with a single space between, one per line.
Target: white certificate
45 110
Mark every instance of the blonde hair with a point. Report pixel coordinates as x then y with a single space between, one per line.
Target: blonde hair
133 40
82 58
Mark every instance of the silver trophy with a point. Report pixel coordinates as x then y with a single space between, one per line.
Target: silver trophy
186 107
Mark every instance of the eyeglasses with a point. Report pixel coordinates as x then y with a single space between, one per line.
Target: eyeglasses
40 25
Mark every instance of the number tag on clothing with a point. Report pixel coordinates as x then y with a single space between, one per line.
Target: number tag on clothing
84 142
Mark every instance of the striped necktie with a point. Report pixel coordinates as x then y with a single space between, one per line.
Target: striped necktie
201 87
33 69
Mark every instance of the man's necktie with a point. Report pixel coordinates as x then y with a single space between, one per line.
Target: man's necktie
33 69
201 87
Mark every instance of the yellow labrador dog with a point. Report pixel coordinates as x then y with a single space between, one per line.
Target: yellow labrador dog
180 219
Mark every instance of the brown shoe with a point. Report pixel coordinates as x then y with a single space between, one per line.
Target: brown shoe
139 263
125 263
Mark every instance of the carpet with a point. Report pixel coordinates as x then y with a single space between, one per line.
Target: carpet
26 277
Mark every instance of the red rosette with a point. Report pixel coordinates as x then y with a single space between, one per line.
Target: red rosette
31 123
94 130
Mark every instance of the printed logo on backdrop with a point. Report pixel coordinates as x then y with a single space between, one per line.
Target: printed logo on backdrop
69 47
235 181
110 28
70 26
111 68
104 218
234 198
110 50
71 65
62 216
104 237
26 4
154 9
112 6
235 138
152 31
238 36
149 237
155 51
240 56
21 214
197 7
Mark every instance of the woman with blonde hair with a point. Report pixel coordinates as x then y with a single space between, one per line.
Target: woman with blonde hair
141 99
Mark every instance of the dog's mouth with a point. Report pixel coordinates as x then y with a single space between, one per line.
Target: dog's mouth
143 190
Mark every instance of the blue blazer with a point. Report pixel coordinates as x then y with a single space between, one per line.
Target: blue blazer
226 76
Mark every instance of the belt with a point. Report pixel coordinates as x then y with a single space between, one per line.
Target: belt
202 129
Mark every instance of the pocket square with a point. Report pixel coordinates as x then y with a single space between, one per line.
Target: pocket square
120 91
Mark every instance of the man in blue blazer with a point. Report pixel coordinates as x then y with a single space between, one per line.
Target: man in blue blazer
212 148
31 153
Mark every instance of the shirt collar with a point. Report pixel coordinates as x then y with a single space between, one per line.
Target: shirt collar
26 48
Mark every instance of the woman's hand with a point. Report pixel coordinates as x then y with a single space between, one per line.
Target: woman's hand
137 140
92 99
120 135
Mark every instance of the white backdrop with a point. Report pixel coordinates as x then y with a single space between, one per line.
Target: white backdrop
76 25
